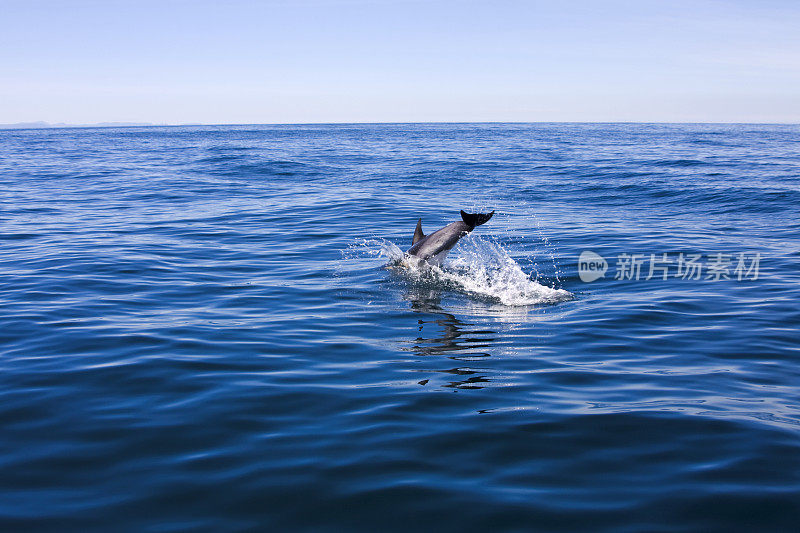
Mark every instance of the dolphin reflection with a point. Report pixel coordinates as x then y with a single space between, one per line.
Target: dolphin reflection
442 333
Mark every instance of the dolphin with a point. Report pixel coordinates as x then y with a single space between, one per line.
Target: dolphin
434 247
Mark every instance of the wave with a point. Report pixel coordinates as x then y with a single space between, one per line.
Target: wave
480 268
678 163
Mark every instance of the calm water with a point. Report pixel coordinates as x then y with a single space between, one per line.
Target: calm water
204 328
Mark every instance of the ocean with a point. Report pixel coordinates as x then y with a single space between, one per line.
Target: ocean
211 328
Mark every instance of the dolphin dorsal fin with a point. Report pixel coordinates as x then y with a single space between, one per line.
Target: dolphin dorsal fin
418 235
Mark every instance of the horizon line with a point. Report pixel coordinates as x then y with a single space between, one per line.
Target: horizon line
42 125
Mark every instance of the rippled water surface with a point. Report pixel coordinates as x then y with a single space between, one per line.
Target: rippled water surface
210 328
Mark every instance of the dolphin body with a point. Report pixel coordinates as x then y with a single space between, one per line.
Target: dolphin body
434 247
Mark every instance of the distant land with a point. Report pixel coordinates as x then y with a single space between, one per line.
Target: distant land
40 124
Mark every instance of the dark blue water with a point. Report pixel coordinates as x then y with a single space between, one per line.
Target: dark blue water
207 329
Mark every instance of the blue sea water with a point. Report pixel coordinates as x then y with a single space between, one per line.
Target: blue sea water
208 329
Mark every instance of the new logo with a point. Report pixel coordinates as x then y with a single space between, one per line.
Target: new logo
591 266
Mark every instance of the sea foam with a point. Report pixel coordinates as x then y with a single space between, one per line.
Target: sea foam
479 267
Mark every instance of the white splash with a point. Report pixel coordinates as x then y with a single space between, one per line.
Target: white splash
486 268
476 266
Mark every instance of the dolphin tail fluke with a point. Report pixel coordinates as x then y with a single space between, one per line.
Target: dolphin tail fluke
475 219
418 235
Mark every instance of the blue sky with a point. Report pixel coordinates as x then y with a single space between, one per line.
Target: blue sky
247 61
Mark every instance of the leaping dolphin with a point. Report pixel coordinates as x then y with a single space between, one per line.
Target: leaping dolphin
435 246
